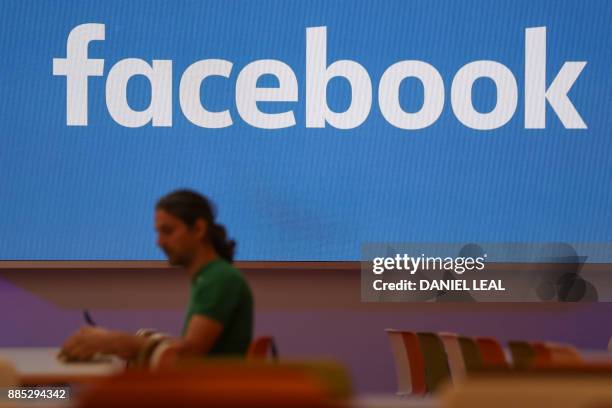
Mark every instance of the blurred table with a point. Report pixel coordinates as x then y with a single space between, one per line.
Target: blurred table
40 366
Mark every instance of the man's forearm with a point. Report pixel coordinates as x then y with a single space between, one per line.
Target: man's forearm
126 346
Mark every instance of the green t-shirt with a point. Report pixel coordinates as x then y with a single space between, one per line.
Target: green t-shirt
220 292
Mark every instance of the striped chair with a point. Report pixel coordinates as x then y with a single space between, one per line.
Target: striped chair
409 363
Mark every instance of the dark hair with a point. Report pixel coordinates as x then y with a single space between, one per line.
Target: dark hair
188 206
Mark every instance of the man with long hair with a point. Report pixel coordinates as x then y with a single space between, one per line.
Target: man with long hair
219 317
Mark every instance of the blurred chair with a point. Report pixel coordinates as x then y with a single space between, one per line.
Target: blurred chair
409 364
262 348
543 355
456 363
522 353
491 352
549 354
564 354
471 354
436 362
400 359
417 362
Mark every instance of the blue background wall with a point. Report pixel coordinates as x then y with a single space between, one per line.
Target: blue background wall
300 193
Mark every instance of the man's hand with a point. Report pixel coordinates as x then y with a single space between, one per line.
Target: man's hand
202 333
86 342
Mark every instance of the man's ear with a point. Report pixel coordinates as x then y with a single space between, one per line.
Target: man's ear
201 228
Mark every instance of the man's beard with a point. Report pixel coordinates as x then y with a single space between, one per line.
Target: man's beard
177 260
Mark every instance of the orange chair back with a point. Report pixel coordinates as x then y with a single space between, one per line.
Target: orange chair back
565 354
262 348
548 355
417 362
543 355
491 352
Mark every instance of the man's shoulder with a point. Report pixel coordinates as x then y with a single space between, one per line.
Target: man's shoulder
220 271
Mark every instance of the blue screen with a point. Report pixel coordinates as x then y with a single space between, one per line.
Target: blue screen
307 191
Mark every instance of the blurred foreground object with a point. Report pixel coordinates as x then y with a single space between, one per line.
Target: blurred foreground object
193 383
561 388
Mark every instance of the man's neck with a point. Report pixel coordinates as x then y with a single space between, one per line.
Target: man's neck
203 257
